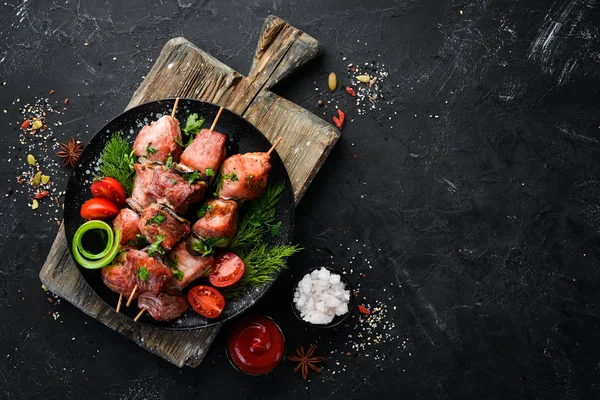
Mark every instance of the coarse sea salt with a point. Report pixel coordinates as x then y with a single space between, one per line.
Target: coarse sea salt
321 296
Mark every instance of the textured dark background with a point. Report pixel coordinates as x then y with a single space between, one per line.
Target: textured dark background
481 225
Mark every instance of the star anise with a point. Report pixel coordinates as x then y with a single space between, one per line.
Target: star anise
70 152
306 360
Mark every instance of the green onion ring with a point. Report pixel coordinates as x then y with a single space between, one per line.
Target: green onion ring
88 226
113 246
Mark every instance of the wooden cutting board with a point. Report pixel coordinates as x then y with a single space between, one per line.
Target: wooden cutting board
184 70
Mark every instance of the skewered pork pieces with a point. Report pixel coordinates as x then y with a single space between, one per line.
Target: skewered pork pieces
158 222
163 307
244 176
220 220
135 267
155 184
159 139
192 267
206 151
127 222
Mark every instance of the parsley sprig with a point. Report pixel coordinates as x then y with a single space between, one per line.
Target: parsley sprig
156 220
156 247
207 246
192 127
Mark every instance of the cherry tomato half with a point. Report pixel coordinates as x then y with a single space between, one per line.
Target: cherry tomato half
228 269
109 189
98 209
206 301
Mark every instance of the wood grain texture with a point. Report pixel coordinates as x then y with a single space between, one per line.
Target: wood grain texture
184 70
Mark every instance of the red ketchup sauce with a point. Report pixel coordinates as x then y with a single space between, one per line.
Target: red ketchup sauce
256 345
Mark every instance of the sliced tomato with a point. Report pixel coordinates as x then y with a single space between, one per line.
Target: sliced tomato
98 209
109 189
228 269
206 301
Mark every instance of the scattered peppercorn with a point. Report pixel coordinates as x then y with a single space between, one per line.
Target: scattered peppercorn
320 103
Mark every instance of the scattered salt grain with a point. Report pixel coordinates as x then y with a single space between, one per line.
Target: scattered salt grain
320 296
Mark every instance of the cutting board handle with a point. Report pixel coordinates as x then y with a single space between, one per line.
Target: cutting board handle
281 50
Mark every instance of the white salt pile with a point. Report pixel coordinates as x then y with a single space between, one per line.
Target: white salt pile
320 296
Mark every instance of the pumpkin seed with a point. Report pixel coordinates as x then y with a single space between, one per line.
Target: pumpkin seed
37 124
364 78
332 81
36 178
30 159
45 179
34 204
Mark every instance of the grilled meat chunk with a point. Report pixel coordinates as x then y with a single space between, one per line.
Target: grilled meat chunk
160 224
219 220
159 139
155 184
163 307
244 176
135 267
127 222
191 267
206 151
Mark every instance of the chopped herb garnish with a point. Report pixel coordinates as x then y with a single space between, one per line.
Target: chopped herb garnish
138 242
143 274
156 247
231 177
172 262
169 162
206 246
204 209
192 127
156 220
178 274
173 180
150 149
209 172
192 178
249 180
275 228
176 140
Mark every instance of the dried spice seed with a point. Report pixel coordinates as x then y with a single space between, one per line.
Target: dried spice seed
37 124
45 179
30 159
26 124
34 204
306 360
70 152
350 91
52 91
41 195
364 78
332 81
320 102
66 101
37 178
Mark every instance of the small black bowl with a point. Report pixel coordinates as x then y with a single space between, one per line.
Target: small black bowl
338 319
234 364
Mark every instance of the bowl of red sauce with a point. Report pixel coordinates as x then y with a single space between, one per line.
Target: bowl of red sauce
256 346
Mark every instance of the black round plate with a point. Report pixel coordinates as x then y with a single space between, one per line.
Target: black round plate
243 137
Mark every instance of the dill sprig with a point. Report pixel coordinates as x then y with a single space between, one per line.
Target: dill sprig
258 220
261 262
117 160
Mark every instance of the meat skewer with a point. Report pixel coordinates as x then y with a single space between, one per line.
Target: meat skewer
174 108
212 127
119 303
244 176
139 315
131 296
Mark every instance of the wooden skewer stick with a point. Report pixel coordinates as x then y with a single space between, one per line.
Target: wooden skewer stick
274 145
131 296
119 303
139 314
174 108
212 127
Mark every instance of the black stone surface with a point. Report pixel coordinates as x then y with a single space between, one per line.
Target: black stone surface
482 224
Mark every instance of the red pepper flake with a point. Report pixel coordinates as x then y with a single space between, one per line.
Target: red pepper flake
339 121
26 124
364 309
350 91
41 195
